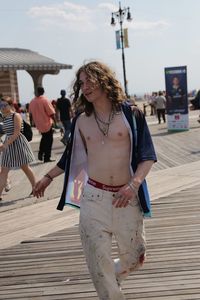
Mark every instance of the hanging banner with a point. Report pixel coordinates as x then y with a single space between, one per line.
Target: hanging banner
177 98
126 45
118 39
125 38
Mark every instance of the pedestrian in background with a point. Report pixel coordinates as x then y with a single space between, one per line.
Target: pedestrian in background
196 102
152 103
160 104
16 151
43 115
64 109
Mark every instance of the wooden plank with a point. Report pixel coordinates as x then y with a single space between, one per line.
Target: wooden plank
53 267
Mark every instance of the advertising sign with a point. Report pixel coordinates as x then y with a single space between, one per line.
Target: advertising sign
177 98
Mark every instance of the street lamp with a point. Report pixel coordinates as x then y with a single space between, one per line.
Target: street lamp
120 15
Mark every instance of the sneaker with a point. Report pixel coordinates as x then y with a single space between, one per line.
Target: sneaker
8 186
49 160
40 156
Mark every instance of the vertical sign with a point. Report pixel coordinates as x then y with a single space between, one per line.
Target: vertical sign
118 39
177 98
126 45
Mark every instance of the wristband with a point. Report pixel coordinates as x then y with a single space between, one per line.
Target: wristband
48 176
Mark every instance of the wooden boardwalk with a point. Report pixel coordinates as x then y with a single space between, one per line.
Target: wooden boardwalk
178 148
53 267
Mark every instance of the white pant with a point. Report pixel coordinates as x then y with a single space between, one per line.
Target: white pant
99 221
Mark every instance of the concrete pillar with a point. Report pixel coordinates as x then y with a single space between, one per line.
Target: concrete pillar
37 77
9 85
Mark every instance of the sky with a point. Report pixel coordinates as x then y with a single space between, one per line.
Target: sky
162 33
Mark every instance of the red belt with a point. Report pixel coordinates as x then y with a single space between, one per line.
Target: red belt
103 186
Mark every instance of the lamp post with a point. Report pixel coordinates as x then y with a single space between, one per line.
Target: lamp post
120 15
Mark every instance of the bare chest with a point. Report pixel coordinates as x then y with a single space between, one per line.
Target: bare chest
95 134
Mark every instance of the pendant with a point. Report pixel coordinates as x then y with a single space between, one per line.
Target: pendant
104 131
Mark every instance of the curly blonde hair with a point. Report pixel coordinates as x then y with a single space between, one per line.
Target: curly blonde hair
101 75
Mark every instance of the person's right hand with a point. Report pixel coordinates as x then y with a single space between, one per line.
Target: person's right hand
40 187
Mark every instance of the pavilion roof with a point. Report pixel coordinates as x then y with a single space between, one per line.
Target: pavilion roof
24 59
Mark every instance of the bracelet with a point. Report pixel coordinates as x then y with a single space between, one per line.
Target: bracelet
48 176
132 187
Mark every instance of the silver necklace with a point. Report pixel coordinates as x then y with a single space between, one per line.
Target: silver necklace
104 126
104 122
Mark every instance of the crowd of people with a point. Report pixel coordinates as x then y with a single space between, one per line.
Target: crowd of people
159 103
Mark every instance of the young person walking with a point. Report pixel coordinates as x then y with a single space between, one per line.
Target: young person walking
115 160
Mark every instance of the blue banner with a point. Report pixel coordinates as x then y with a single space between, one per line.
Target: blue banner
125 38
177 98
118 39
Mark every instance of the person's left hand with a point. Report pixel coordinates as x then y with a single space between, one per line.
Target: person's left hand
124 196
40 187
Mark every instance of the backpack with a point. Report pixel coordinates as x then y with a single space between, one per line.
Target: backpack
27 131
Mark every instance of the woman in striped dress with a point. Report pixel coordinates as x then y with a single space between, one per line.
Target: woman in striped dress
16 151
